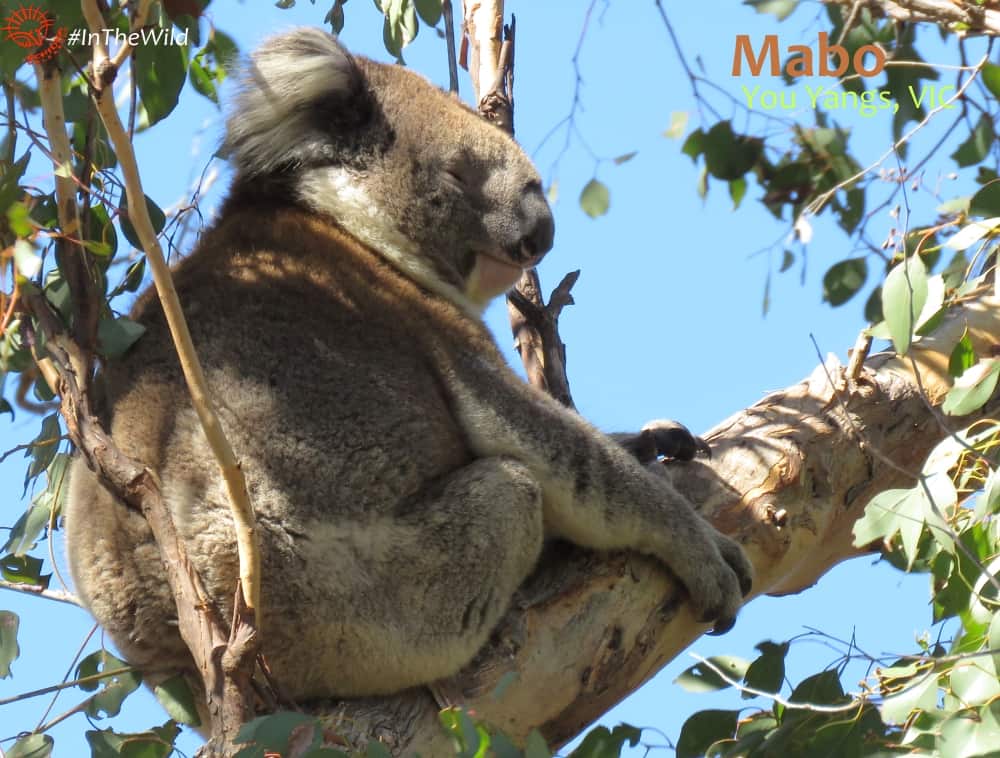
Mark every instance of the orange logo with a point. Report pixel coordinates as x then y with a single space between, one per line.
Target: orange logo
31 28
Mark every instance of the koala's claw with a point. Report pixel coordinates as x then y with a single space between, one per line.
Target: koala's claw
674 440
722 626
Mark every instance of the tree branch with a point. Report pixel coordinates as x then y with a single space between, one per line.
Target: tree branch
964 18
31 589
534 324
788 479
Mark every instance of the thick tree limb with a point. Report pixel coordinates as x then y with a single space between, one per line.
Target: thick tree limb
789 477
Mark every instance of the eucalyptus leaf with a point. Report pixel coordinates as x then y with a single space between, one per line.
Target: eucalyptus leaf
595 199
903 296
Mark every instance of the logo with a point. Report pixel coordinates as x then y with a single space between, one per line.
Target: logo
31 29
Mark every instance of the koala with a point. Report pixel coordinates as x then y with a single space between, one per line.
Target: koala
404 478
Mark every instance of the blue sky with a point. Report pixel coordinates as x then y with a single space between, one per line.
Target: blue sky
667 321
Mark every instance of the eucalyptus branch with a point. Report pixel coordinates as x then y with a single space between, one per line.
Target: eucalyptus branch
534 324
967 18
75 261
249 552
30 589
227 677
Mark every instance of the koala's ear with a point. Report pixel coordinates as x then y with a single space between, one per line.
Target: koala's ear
293 83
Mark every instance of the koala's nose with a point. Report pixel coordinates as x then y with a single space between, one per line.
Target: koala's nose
539 226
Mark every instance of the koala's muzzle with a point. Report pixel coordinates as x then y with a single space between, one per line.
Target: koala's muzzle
539 226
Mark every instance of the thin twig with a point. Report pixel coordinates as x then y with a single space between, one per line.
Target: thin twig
449 34
66 685
724 676
30 589
816 205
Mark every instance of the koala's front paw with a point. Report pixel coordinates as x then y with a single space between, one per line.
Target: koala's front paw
674 440
718 582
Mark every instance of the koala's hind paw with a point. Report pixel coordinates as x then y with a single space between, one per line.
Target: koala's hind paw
724 579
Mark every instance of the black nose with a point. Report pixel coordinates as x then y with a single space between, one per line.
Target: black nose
540 227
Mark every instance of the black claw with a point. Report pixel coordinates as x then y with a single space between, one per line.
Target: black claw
703 447
746 584
722 626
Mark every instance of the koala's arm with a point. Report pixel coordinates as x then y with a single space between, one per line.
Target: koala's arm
596 494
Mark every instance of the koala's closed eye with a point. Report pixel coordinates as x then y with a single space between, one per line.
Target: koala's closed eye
461 173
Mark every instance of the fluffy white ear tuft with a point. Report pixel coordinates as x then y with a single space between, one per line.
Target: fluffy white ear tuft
289 77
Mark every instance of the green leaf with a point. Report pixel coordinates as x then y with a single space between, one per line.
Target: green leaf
429 10
160 71
737 189
155 743
535 746
971 390
400 27
503 684
882 515
780 9
977 145
595 199
177 699
43 448
819 689
502 747
703 729
24 569
903 296
974 682
970 234
604 743
918 695
377 750
963 356
843 280
335 17
32 746
873 308
986 202
9 650
988 502
625 157
116 335
273 732
991 78
728 155
116 687
156 217
26 530
767 673
993 639
694 145
703 678
678 123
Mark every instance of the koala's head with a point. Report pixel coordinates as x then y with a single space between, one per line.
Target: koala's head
399 164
